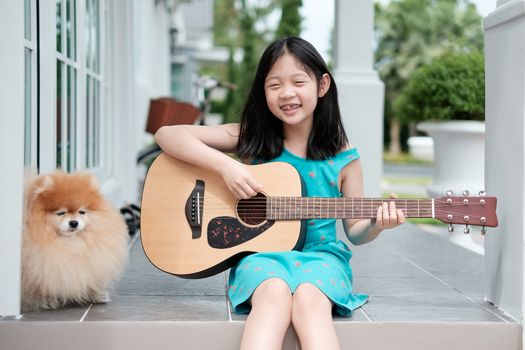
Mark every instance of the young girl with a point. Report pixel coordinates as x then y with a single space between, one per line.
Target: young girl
291 115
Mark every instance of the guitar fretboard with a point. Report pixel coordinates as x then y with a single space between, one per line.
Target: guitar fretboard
297 208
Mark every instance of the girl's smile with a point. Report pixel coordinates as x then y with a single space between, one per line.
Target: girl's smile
287 108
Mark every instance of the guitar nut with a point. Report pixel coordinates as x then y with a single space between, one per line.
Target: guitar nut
465 201
483 219
449 216
466 218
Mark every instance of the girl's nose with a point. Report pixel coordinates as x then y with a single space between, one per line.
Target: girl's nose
287 91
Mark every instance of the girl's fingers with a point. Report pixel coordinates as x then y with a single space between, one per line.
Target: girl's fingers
400 216
255 186
393 213
379 217
386 215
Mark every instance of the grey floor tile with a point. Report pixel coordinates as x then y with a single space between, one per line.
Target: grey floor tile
165 284
422 285
160 308
68 313
425 309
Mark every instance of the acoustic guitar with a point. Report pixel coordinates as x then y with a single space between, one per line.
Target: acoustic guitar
193 227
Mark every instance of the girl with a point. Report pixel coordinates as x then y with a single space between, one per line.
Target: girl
291 115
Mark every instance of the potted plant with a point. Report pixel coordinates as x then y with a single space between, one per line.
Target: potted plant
447 100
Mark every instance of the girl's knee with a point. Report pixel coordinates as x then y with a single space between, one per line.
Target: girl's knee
273 292
310 299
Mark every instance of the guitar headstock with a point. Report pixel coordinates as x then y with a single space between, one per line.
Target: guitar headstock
467 210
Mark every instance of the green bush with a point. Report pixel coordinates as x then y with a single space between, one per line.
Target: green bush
450 88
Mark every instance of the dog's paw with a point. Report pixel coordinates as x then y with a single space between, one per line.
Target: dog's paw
100 298
50 304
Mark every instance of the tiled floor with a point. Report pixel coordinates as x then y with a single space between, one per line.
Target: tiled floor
410 275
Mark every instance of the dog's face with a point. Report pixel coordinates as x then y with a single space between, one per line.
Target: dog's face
69 220
67 201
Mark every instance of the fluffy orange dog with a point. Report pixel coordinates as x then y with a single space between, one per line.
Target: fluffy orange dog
74 245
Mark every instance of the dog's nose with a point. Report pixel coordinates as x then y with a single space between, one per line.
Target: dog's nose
73 223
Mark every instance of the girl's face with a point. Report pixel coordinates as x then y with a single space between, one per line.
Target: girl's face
292 93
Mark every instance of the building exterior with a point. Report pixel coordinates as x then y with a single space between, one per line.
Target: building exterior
77 80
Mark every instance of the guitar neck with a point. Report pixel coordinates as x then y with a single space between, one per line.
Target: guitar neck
298 208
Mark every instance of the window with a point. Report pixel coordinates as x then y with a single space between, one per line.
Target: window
66 82
30 84
177 80
80 83
94 84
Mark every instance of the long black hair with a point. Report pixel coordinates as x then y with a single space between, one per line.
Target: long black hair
261 133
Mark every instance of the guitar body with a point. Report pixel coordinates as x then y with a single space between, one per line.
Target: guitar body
190 222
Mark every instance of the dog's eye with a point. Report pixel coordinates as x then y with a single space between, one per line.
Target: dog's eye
82 212
61 213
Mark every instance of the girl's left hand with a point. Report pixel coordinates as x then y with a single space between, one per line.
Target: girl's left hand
388 216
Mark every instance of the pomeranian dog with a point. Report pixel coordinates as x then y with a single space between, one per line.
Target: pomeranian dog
74 244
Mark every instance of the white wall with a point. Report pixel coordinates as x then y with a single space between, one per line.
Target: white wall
505 153
11 152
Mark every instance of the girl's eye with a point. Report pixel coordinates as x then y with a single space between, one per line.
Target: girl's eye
61 213
82 212
273 86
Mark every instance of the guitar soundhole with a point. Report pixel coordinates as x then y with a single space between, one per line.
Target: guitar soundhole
252 211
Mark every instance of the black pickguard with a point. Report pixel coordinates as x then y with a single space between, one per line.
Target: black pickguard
227 232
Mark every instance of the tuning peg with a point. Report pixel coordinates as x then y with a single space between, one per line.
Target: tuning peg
482 193
483 231
466 230
449 193
450 228
466 193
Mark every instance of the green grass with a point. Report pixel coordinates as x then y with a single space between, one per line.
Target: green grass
426 221
402 158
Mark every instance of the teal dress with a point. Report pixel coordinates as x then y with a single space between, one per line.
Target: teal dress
323 262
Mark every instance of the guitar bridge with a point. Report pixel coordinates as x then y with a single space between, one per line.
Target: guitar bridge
194 207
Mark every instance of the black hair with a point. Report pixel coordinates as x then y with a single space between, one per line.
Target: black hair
261 133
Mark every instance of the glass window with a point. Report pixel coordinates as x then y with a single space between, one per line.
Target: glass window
28 110
66 91
30 81
177 80
94 82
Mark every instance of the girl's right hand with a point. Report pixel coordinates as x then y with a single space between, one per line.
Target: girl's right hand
239 180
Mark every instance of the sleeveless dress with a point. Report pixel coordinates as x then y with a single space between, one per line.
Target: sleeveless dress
323 262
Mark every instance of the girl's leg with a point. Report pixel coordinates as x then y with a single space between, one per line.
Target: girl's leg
312 318
270 316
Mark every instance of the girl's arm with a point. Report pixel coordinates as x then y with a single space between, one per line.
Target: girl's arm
204 146
360 231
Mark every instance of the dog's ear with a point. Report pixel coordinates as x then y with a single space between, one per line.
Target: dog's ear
42 183
94 182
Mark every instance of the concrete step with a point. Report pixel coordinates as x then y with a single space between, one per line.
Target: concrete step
226 335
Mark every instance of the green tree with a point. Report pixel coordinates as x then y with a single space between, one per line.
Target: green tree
411 33
452 87
290 24
241 24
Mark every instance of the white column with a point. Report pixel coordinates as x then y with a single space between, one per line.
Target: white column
11 152
361 92
505 153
